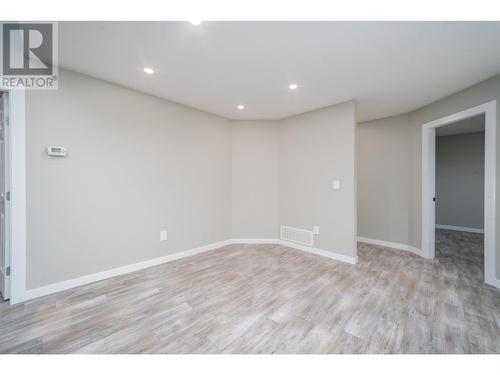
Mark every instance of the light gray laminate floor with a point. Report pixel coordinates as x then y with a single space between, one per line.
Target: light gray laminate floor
273 299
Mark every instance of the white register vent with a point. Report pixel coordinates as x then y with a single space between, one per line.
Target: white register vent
301 236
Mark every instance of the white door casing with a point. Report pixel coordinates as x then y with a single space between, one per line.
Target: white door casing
4 214
429 184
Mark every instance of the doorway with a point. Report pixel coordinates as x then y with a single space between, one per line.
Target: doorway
460 198
429 130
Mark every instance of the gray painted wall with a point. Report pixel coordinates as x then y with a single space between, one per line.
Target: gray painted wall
254 180
282 174
460 180
136 165
314 149
383 179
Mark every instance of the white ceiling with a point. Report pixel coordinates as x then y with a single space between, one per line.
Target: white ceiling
470 125
389 68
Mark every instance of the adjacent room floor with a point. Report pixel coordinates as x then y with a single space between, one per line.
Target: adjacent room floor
273 299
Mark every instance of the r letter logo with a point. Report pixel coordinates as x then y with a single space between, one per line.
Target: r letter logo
29 55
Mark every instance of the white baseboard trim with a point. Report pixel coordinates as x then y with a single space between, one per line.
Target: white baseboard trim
493 282
460 229
324 253
99 276
392 245
270 241
87 279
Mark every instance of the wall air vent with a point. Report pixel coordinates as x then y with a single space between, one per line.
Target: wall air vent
301 236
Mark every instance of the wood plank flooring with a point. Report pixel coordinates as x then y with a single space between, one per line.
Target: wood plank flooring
273 299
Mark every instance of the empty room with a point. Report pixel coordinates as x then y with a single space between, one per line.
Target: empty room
249 187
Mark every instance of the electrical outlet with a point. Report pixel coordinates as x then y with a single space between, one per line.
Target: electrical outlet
163 235
316 229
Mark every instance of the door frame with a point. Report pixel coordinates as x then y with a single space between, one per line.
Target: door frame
16 114
429 183
6 190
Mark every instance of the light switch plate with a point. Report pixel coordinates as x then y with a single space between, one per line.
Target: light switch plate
336 184
163 235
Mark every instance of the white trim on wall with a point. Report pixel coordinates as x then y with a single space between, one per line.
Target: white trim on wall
392 245
17 125
324 253
269 241
92 278
459 229
428 190
99 276
428 183
495 282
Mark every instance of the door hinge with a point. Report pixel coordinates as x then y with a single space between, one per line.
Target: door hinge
7 195
7 120
7 271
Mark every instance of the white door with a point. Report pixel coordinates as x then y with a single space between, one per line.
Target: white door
4 253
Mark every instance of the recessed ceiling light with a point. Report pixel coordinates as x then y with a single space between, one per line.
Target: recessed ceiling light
241 107
148 71
293 86
195 22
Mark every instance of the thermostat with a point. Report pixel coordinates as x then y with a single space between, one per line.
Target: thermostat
56 151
